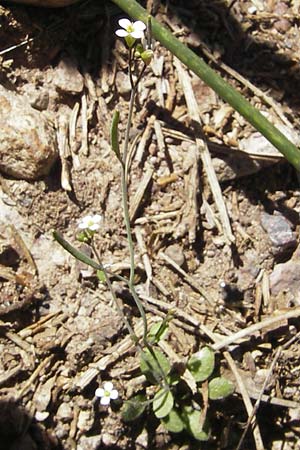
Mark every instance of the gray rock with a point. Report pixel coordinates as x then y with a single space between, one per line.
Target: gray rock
28 145
67 78
64 412
286 278
175 252
279 230
123 83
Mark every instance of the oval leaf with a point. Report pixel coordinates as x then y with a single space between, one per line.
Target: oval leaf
152 366
191 418
133 408
172 422
202 364
163 402
219 388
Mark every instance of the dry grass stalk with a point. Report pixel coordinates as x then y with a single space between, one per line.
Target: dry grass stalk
203 149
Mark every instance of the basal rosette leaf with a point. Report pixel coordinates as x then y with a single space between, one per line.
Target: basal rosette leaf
220 388
202 364
163 403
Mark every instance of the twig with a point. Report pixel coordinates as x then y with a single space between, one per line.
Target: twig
72 135
203 149
156 217
13 47
84 126
257 403
256 91
144 139
249 331
247 402
188 278
23 248
138 196
191 211
62 141
144 255
24 345
37 373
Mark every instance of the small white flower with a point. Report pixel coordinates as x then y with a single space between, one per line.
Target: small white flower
91 223
107 393
133 29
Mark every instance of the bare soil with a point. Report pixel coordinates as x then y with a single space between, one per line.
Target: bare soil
57 319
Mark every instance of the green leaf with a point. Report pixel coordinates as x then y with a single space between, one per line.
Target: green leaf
202 364
191 418
163 402
133 408
158 331
219 388
152 365
172 422
114 135
173 378
74 252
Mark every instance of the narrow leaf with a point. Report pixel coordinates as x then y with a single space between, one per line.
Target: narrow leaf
114 134
74 252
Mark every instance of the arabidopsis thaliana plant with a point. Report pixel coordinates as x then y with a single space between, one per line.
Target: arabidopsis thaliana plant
107 393
133 29
91 223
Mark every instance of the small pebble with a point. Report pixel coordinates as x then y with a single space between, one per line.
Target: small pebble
279 230
64 412
175 252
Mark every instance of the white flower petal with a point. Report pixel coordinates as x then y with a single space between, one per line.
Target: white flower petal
99 392
121 33
137 34
94 227
105 401
125 23
114 394
139 25
108 386
97 218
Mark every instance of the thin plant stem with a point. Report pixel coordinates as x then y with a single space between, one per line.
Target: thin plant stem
115 300
124 186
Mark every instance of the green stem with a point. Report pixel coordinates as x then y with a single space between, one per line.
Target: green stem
124 186
212 79
115 300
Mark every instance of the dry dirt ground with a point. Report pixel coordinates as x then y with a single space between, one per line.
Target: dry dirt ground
60 336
